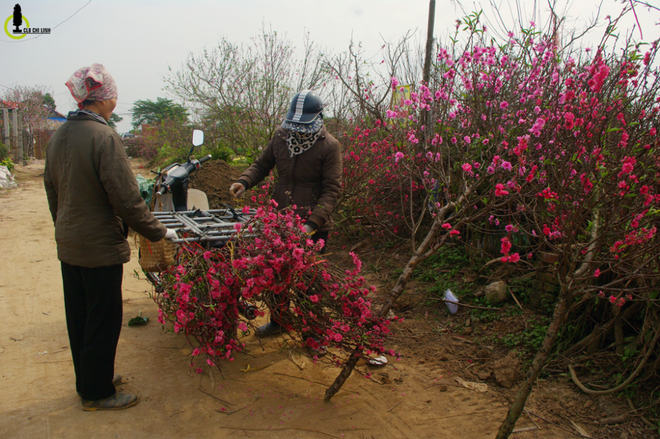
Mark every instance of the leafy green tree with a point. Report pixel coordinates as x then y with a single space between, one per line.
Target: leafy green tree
114 120
49 102
155 112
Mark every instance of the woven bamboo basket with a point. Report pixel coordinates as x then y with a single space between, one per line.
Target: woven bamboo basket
155 256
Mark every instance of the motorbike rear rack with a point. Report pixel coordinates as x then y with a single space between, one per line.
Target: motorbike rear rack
211 227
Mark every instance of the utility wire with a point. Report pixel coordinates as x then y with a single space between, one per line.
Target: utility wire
70 16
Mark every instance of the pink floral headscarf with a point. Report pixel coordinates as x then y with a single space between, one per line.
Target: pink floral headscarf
93 83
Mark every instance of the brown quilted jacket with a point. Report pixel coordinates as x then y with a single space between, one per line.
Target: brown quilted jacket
91 189
311 181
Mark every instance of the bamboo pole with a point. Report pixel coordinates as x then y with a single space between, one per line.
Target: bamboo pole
14 137
21 143
5 119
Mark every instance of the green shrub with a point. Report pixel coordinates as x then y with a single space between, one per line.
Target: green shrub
8 163
4 151
222 153
168 154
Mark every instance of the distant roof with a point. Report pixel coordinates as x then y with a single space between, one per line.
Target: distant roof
8 104
52 114
55 115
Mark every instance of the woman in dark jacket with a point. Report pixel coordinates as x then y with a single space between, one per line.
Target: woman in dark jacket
309 168
92 193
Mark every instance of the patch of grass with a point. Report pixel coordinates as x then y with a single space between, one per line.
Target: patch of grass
443 270
530 339
396 272
374 268
484 315
513 311
522 288
447 257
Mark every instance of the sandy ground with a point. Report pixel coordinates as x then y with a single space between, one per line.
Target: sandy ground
275 398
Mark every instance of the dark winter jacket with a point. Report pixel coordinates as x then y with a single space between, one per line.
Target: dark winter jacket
311 181
91 190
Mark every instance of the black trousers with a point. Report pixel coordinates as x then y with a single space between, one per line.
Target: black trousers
93 306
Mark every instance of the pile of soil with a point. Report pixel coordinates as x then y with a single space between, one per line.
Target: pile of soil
214 178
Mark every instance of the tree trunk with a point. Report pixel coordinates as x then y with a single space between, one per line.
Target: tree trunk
594 344
618 332
416 258
343 376
400 285
537 365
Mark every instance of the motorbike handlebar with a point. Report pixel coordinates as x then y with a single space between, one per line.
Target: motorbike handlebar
177 174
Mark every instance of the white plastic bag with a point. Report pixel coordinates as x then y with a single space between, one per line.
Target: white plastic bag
6 179
452 307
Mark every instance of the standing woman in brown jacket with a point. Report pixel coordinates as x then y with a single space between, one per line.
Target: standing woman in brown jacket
93 199
309 168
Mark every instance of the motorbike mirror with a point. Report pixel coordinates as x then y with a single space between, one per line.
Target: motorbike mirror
198 137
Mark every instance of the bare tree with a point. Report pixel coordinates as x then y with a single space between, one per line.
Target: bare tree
34 104
362 85
242 91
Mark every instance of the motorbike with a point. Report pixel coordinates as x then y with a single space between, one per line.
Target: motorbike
186 210
172 183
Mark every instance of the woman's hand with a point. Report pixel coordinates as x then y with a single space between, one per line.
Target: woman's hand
237 190
170 234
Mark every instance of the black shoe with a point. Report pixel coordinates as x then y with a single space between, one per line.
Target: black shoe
270 328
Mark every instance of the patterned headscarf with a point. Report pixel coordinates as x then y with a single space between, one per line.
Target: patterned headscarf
94 83
302 136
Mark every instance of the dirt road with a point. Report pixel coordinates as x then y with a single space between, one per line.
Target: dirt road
277 397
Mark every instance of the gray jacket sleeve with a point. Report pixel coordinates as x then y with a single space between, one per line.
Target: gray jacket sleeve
121 186
51 194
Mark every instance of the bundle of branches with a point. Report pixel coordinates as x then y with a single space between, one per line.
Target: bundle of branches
270 262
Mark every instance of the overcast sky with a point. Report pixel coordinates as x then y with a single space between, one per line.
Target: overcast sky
138 40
